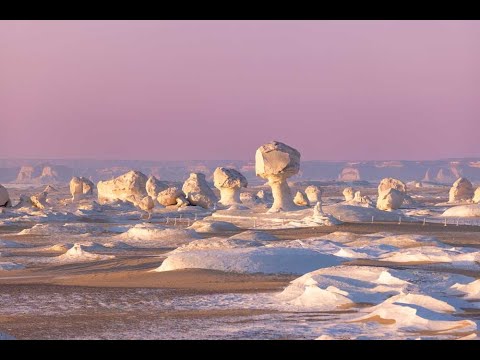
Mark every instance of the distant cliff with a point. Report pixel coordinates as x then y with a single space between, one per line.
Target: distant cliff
60 171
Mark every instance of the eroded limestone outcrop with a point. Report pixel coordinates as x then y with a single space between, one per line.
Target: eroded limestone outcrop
276 162
198 192
127 187
462 190
390 199
301 199
81 187
314 193
4 197
229 182
172 196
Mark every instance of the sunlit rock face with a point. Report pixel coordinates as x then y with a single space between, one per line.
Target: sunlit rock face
146 204
4 197
172 196
127 187
198 192
81 187
301 199
462 190
391 183
476 196
349 193
155 186
390 199
314 194
229 182
362 200
276 162
391 194
39 200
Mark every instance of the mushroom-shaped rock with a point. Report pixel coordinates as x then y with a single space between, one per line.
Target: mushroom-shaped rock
171 196
462 190
80 187
127 187
476 196
155 186
229 182
301 199
391 183
198 192
39 200
314 194
391 199
276 162
4 197
349 193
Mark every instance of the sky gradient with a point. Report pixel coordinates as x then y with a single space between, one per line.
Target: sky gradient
174 90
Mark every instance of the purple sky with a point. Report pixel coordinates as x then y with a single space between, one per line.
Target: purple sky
170 90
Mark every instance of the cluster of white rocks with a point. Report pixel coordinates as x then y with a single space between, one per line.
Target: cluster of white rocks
353 197
274 162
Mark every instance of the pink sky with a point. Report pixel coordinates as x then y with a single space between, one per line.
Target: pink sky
172 90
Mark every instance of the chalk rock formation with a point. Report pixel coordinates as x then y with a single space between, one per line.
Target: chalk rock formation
80 187
172 196
390 199
276 162
319 218
39 200
229 182
146 204
301 199
349 193
314 194
462 190
362 200
476 196
4 197
24 201
48 173
318 210
182 201
390 183
25 174
155 186
198 192
349 174
127 187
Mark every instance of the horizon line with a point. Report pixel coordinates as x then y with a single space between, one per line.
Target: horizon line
253 160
